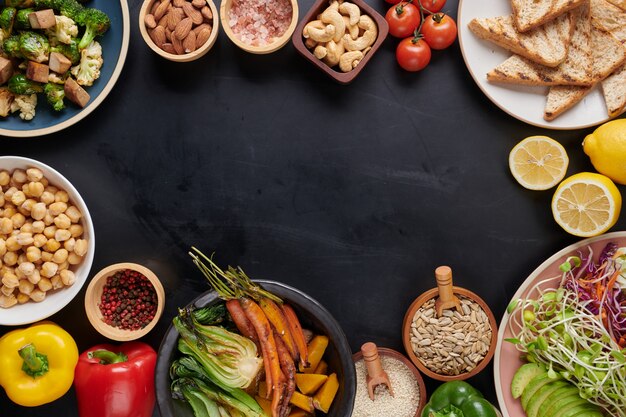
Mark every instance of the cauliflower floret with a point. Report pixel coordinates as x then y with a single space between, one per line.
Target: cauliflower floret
55 78
64 30
26 105
88 69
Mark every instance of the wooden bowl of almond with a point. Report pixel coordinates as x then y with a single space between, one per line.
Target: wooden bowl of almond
179 30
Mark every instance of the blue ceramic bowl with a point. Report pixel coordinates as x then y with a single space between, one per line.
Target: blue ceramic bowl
114 48
312 315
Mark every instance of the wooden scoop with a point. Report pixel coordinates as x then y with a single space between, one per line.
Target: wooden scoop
376 375
447 299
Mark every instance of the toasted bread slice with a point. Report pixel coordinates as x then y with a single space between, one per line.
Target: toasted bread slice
609 17
614 90
608 55
546 45
530 14
576 70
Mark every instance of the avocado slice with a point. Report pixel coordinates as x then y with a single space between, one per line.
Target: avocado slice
533 386
523 376
584 410
542 395
571 408
558 398
588 413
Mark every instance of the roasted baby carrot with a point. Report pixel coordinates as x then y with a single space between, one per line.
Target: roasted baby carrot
277 318
289 370
241 321
297 334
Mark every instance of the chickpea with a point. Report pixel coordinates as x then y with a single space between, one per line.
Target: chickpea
48 219
27 206
46 256
6 290
52 245
62 221
67 277
51 189
38 226
62 235
19 176
9 210
56 282
3 247
22 298
37 295
6 226
60 256
73 213
4 178
80 247
18 220
18 198
44 284
76 230
57 208
35 277
24 239
50 231
13 245
39 240
74 259
18 273
44 181
10 258
2 201
26 287
8 194
64 265
34 174
27 268
47 197
10 281
7 301
49 269
38 211
35 189
27 228
33 254
68 244
61 196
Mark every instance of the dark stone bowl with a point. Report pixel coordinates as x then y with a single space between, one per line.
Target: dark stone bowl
312 315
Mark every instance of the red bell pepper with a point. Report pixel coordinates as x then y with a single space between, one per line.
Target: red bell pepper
116 381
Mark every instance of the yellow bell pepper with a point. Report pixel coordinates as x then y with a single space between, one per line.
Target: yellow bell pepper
37 363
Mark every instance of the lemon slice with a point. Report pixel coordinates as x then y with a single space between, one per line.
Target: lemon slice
538 162
586 204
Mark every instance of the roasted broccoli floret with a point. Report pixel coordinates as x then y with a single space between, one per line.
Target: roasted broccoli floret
55 93
26 105
63 31
21 19
7 18
20 4
34 46
11 46
88 70
19 84
96 23
70 51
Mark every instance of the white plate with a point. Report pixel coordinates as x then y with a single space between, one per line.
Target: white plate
521 102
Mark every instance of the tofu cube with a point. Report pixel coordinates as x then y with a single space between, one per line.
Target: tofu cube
42 19
6 70
37 72
75 93
59 63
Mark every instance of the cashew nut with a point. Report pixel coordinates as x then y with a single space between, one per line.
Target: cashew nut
332 17
320 51
350 60
368 37
318 34
335 50
310 43
352 29
352 10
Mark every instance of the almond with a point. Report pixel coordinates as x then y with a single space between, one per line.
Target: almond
149 21
189 44
198 4
168 34
158 35
163 21
174 17
197 29
155 5
178 45
168 47
183 28
193 13
160 11
207 13
202 37
179 3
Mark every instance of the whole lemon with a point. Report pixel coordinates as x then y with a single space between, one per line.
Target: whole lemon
606 147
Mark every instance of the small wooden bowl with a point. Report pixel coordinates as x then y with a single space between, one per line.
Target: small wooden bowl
418 377
192 56
94 292
341 77
406 334
259 50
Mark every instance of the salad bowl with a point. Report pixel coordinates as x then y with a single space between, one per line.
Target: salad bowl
507 358
312 315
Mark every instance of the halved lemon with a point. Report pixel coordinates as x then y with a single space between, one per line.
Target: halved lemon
538 162
586 204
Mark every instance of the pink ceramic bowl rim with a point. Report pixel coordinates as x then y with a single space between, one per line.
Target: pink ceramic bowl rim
506 358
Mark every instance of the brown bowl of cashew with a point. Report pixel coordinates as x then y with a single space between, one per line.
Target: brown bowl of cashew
340 37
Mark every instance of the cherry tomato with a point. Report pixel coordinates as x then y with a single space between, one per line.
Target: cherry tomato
393 1
433 6
403 19
413 54
439 31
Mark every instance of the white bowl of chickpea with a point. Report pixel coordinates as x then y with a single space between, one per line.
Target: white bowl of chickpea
46 241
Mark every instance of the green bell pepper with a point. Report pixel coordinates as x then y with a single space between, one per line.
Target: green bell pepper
458 399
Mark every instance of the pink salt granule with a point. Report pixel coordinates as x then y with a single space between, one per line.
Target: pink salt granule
258 22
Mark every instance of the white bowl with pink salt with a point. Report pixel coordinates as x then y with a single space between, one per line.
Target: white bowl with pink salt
259 26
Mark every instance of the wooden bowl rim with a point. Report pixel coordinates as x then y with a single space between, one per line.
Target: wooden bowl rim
340 77
260 50
416 373
94 291
406 334
192 56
